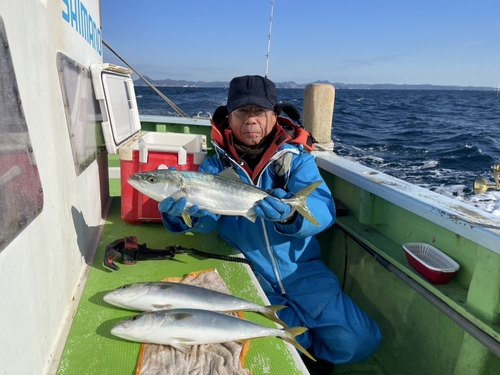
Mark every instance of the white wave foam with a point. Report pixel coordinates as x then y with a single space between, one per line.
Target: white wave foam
430 164
488 201
372 158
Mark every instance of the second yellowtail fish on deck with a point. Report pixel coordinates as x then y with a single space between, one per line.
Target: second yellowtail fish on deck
167 295
215 193
182 328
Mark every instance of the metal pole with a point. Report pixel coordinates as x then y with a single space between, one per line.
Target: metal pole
484 338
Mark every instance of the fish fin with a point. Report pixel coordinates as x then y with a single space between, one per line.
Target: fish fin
244 341
180 316
289 336
270 313
298 201
251 215
162 307
230 173
165 285
181 344
187 219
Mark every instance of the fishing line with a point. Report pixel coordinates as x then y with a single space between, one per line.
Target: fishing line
172 104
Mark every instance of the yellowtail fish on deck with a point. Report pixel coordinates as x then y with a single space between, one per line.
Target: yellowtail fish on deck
215 193
170 295
182 328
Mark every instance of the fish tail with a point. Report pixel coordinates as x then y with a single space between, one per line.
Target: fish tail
270 313
298 201
289 336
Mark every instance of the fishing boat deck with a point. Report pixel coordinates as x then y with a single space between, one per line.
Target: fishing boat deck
91 346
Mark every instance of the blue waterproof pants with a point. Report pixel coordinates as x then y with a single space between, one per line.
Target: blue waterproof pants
342 332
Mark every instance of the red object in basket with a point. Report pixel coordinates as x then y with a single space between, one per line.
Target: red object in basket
433 264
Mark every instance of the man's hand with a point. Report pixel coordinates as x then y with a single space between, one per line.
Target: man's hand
172 207
273 209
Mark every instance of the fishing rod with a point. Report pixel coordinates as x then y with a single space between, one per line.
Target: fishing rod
172 104
269 36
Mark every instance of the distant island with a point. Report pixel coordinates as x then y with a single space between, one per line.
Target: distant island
293 85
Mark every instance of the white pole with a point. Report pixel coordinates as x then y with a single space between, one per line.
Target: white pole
269 37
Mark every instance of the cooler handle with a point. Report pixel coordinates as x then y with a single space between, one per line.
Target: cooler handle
144 149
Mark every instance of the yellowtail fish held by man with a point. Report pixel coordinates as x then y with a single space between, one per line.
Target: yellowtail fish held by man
215 193
182 328
170 295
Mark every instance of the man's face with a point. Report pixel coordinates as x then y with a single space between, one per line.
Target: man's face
250 124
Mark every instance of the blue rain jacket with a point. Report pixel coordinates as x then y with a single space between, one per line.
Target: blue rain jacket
285 256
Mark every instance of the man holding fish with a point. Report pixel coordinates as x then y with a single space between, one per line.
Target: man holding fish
267 151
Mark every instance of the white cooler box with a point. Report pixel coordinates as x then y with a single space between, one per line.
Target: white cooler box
138 151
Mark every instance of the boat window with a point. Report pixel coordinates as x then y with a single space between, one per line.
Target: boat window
21 195
83 114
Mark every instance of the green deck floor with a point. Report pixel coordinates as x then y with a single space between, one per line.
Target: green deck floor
91 349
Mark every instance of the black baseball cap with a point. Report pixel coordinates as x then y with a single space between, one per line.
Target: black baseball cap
248 90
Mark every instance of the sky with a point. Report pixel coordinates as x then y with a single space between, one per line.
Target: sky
438 42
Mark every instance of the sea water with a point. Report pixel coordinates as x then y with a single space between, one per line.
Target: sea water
440 140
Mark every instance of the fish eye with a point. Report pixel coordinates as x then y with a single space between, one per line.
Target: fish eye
152 180
134 318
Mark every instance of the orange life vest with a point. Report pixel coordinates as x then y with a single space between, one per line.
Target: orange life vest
286 132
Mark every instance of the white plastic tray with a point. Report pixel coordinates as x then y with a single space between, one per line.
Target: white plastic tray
431 257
